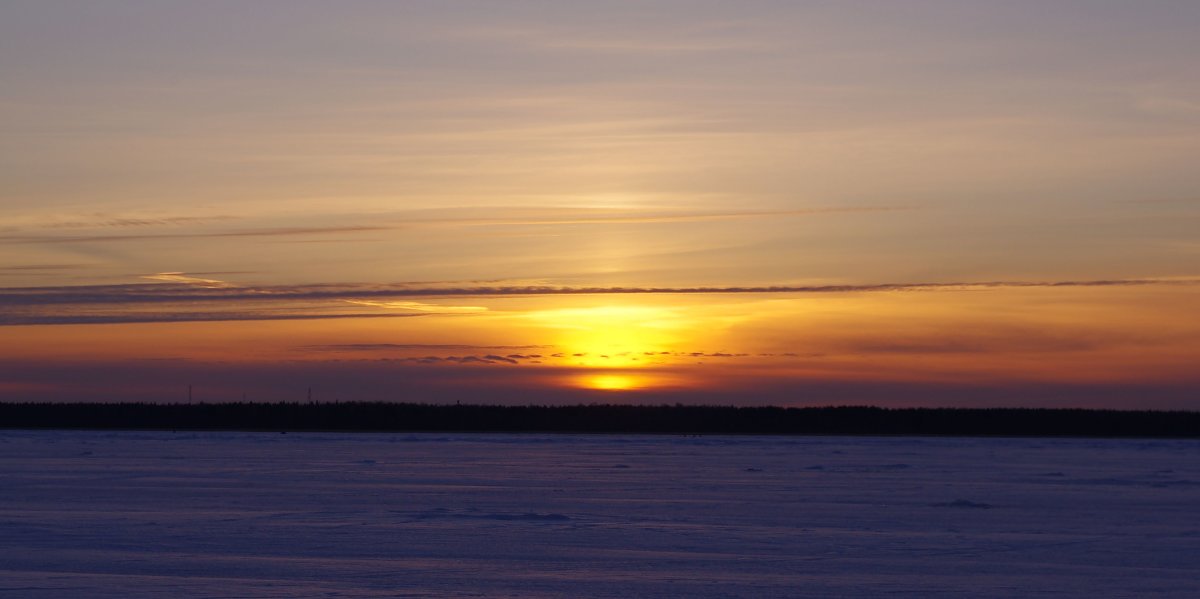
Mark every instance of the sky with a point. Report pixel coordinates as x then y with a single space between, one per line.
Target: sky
919 203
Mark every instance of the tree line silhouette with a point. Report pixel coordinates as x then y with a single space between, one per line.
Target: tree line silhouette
602 418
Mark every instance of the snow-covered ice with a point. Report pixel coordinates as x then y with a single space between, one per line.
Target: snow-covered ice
160 514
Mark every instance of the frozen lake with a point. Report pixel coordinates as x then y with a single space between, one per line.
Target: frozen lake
159 514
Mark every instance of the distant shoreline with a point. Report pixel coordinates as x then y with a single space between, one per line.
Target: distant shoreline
603 418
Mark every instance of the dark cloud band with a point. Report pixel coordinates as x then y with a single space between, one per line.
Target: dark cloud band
156 292
175 302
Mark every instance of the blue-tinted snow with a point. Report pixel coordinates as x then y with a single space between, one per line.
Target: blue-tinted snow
104 514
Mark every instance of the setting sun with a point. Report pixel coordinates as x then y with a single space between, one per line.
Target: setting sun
611 382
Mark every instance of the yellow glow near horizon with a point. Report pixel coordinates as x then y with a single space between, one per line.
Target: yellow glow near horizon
612 382
611 336
628 380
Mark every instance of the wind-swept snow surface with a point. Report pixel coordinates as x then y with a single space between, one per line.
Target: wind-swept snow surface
102 514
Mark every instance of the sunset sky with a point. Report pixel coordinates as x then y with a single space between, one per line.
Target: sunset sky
755 202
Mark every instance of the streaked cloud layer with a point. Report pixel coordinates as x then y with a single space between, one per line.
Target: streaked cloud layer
184 297
848 195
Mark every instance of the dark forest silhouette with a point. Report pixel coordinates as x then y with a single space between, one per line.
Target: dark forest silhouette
673 419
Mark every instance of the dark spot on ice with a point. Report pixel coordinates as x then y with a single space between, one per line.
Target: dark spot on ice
1053 474
895 466
620 465
526 517
1174 483
817 467
86 453
1120 482
366 462
754 470
963 503
529 516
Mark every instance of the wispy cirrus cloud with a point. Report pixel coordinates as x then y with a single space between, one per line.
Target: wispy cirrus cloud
179 277
418 306
602 216
25 269
12 223
126 222
265 232
200 227
171 316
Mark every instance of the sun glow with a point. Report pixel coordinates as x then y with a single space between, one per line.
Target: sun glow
611 382
615 347
628 380
612 336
